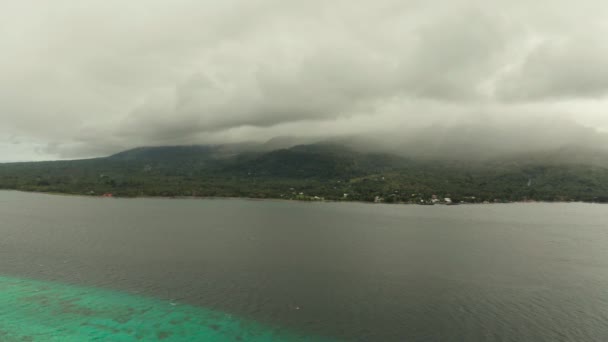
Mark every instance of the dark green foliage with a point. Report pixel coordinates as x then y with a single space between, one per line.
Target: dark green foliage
309 172
320 161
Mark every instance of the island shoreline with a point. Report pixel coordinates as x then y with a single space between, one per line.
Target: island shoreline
271 199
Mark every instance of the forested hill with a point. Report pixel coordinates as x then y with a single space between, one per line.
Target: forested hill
312 172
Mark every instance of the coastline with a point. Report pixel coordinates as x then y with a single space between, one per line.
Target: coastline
271 199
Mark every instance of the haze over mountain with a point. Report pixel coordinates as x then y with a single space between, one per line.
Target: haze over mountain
321 171
425 79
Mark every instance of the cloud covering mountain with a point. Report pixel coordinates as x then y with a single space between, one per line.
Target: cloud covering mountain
86 79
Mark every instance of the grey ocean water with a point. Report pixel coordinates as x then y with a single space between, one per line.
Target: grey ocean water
514 272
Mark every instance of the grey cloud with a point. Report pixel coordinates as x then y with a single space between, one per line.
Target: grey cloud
445 61
88 80
455 54
575 67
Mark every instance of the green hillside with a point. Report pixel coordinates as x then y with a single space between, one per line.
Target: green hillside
309 172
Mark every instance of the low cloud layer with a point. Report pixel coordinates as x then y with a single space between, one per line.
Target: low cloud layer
87 79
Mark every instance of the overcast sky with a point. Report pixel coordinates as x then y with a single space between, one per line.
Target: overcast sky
87 78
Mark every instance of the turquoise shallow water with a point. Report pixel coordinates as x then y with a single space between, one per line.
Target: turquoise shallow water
45 311
294 271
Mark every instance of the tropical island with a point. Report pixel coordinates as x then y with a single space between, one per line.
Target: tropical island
313 172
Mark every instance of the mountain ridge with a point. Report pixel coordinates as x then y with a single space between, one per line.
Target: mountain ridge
327 170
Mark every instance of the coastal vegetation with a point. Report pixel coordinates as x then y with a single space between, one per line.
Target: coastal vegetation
309 172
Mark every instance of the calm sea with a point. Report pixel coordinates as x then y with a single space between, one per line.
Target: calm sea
349 271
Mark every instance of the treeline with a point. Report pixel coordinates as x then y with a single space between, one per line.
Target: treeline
313 172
